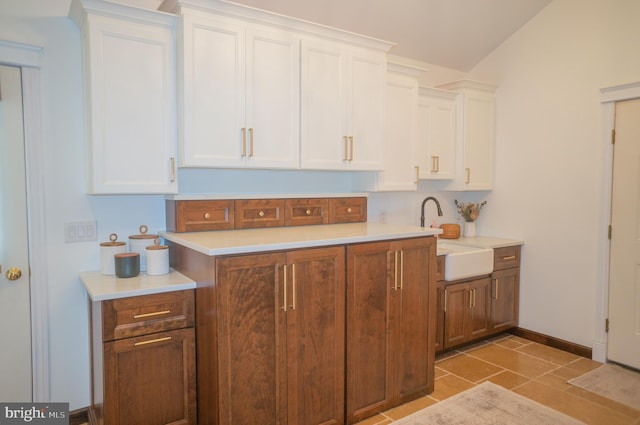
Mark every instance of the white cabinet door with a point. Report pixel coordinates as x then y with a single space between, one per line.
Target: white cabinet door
240 94
475 136
436 143
342 107
400 162
130 100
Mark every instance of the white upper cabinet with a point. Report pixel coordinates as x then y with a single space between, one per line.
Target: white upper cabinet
130 101
475 138
436 134
239 91
342 106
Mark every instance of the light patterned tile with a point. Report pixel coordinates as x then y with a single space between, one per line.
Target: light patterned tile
469 368
549 354
448 386
519 363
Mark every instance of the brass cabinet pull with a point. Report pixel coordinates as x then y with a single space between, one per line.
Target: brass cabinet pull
284 290
251 142
346 148
395 271
156 313
244 142
467 179
207 216
509 257
401 269
308 212
435 164
172 160
261 213
293 285
474 298
350 148
349 210
417 174
497 288
445 300
151 341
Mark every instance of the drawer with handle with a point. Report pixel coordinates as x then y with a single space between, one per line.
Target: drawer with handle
347 210
299 212
199 215
257 213
506 257
147 314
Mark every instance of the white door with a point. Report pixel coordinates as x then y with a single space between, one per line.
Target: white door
15 322
624 276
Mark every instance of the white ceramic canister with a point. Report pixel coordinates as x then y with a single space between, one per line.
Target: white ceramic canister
139 243
108 250
157 259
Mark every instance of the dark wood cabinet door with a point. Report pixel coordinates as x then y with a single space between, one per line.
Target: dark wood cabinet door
316 336
439 333
478 322
369 291
414 316
150 379
251 340
505 299
456 300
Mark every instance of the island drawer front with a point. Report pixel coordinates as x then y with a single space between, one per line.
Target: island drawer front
506 257
347 210
300 212
258 213
147 314
199 216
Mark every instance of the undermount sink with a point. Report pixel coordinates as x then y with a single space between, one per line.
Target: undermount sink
462 261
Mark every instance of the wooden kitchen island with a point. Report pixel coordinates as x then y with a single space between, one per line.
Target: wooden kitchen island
321 324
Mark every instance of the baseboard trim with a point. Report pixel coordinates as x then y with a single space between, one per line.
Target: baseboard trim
79 417
561 344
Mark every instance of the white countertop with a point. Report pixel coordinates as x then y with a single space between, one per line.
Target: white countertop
278 238
102 287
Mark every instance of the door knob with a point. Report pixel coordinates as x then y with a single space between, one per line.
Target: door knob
13 273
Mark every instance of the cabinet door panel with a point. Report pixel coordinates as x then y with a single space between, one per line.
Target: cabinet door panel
151 379
479 311
368 345
456 306
251 330
505 299
415 317
316 336
273 99
213 93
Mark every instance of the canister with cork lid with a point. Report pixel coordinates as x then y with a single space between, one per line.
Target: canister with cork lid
157 258
108 250
139 243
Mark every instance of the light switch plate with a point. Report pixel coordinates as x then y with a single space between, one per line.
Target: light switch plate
80 231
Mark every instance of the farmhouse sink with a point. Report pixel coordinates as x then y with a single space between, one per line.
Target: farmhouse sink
462 261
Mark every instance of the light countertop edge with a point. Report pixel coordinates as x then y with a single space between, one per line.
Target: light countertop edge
102 287
283 238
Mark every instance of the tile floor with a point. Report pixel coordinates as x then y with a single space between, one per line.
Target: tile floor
525 367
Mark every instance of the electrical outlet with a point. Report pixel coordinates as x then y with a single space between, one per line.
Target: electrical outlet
80 231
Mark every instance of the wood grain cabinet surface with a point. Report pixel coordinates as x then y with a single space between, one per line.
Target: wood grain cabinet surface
144 360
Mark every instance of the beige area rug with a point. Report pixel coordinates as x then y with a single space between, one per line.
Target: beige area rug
487 404
614 382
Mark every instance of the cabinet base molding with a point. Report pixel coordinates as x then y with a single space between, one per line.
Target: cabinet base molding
577 349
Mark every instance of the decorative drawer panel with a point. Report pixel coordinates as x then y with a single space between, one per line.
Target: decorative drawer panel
507 257
197 216
146 314
299 212
257 213
347 210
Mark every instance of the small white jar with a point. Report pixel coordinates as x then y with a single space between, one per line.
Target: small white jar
108 250
139 243
157 259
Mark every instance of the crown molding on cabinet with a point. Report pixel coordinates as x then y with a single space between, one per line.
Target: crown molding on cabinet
79 10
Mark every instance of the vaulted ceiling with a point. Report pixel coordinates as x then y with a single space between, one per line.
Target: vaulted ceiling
455 34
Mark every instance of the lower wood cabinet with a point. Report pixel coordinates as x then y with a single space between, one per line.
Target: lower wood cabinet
466 311
144 360
504 299
280 338
391 301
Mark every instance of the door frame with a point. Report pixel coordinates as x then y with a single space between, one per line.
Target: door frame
608 97
28 59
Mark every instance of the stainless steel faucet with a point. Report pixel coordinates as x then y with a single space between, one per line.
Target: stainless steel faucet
430 198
